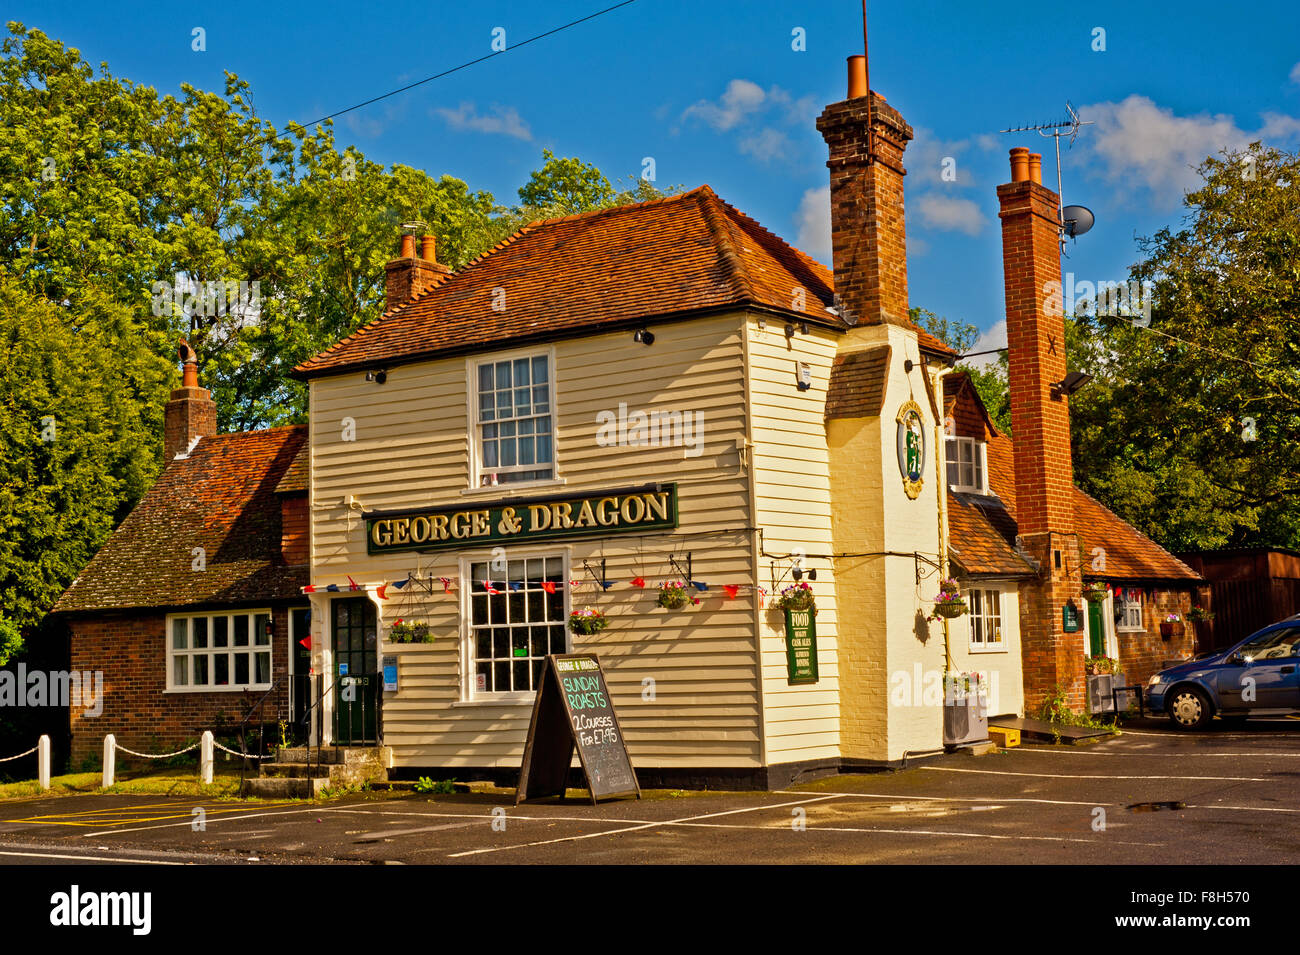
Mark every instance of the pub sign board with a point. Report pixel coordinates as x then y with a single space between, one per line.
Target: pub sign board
573 709
652 507
801 646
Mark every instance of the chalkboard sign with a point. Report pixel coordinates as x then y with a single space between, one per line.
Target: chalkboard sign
573 708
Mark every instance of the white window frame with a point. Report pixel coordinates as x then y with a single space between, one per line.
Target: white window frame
979 465
469 695
477 471
211 652
978 596
1128 607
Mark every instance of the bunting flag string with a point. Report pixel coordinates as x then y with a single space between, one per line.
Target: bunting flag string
446 584
638 582
731 591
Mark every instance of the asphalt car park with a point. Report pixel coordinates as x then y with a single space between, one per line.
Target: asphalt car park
1227 795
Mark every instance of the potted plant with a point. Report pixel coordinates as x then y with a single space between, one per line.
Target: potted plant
1171 626
1200 615
673 596
1095 666
1096 593
1104 677
401 632
587 621
948 603
797 596
420 633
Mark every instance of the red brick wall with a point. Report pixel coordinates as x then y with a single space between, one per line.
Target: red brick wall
1142 654
130 651
294 529
868 238
1050 657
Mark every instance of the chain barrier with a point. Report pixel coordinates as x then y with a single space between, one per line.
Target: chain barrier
132 752
233 752
20 755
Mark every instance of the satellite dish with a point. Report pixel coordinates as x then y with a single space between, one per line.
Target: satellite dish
1078 220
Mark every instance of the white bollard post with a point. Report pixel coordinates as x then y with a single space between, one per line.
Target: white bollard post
110 754
205 758
43 761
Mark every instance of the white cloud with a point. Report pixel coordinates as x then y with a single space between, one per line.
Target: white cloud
767 144
741 98
950 214
814 222
1295 73
917 247
928 156
1141 144
501 120
995 337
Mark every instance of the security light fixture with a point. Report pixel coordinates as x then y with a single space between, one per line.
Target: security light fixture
1071 383
798 573
644 336
378 377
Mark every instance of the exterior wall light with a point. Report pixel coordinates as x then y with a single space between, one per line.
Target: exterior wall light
644 336
378 377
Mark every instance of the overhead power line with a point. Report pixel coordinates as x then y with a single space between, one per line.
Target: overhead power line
466 65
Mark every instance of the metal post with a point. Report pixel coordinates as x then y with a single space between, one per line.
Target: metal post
110 755
43 761
205 758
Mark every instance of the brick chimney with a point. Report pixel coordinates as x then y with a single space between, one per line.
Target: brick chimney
191 413
1040 425
868 239
408 275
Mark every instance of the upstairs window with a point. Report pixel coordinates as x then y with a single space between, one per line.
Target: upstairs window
514 415
967 465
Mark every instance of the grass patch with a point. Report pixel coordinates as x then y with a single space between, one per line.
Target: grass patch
164 782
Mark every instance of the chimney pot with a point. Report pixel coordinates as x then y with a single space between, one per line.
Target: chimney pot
1036 167
1019 164
857 76
408 275
191 413
428 245
408 247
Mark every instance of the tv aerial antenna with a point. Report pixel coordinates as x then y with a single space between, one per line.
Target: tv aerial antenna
1069 126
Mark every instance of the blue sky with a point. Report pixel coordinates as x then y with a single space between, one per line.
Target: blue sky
715 93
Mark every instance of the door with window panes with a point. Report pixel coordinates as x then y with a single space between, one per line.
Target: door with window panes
516 618
356 682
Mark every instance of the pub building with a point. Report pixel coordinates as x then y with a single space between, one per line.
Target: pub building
614 400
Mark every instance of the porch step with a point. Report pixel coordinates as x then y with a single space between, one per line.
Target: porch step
277 787
332 754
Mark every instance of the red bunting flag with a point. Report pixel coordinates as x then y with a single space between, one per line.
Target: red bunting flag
638 582
352 584
306 642
732 590
487 584
446 584
548 586
574 584
380 591
309 589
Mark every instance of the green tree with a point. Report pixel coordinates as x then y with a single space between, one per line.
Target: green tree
1189 428
80 438
990 381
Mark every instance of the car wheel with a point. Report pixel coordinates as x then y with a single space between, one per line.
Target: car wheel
1189 708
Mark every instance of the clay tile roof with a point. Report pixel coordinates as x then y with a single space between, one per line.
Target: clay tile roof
857 383
598 271
221 498
296 476
982 535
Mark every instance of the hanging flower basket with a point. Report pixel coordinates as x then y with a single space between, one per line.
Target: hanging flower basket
673 595
405 631
1096 593
1200 615
948 602
587 621
1171 626
798 596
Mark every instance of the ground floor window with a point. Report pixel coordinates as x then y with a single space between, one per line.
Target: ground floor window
985 608
517 617
1128 611
228 651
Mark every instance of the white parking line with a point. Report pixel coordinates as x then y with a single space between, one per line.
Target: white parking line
55 855
649 825
1002 772
209 821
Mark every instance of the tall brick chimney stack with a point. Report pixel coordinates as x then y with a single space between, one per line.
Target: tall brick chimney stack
191 413
408 275
866 137
1040 425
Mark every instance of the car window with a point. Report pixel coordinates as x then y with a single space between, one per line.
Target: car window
1274 646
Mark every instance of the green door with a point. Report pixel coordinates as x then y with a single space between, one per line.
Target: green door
356 678
1096 632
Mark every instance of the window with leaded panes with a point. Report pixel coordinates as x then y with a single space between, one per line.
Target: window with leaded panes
985 610
516 618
